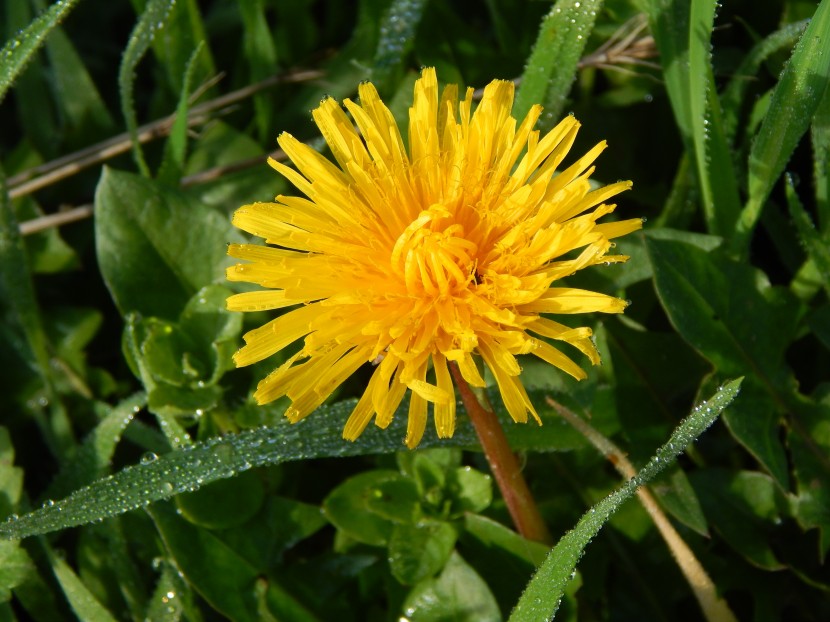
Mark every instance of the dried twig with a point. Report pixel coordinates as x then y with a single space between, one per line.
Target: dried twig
46 174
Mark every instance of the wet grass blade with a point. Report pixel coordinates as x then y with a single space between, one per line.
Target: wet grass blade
541 599
794 102
18 51
551 67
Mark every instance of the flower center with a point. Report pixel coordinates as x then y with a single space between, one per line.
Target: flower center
433 256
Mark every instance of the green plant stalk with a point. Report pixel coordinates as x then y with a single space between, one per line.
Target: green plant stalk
504 464
715 609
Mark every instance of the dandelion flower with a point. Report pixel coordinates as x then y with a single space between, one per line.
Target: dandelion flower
445 253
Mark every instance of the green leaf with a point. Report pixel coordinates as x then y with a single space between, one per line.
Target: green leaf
151 20
21 308
744 506
794 101
419 551
19 50
93 457
193 466
470 490
818 248
551 68
175 149
397 32
729 313
259 49
678 496
716 173
809 442
820 138
735 92
365 505
669 24
223 504
223 578
83 603
458 594
156 246
541 599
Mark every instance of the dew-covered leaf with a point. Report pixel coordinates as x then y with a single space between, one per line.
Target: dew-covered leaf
794 101
730 313
151 20
541 599
551 68
156 246
18 50
457 594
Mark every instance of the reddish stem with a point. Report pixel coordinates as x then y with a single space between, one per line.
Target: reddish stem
504 464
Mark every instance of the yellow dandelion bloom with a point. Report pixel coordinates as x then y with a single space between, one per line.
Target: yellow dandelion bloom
415 259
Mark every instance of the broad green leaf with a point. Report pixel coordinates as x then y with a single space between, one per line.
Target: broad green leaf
83 603
794 102
15 564
223 504
367 505
744 506
470 490
541 599
503 558
18 50
397 31
193 466
551 68
156 246
457 594
223 578
151 20
419 551
678 496
729 313
715 170
816 244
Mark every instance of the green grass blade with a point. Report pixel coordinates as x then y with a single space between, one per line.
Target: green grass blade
818 248
541 599
669 25
794 102
551 67
153 18
259 49
735 92
175 150
189 468
820 137
18 51
716 172
397 32
82 601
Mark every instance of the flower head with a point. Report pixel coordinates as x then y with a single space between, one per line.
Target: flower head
415 259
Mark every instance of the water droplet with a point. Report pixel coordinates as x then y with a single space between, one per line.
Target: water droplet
149 458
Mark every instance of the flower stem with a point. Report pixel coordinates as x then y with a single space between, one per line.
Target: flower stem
504 464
